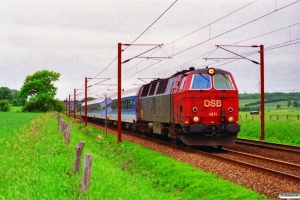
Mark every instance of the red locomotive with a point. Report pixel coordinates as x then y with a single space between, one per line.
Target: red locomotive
198 107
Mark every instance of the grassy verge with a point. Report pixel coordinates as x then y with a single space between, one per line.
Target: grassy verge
36 164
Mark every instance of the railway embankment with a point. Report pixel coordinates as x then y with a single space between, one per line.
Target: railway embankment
36 164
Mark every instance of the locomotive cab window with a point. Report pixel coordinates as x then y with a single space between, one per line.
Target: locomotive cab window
145 90
223 82
200 82
162 87
153 87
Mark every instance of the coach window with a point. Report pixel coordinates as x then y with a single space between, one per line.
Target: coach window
114 105
130 104
162 87
145 90
201 82
182 83
126 104
222 82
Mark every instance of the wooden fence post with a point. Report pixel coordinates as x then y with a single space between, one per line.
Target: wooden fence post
87 170
61 125
67 133
78 154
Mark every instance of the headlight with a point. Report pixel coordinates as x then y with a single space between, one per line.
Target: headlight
230 119
196 119
211 71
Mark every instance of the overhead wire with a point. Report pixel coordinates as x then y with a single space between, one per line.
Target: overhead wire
135 39
151 25
138 36
236 28
174 54
201 28
266 33
254 52
249 22
212 22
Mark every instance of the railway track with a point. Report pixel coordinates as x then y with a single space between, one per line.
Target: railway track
269 145
270 166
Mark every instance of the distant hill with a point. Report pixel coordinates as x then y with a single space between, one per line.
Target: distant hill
276 96
252 101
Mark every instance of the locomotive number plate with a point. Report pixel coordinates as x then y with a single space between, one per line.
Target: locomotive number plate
212 103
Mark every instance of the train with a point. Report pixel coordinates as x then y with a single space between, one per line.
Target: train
195 107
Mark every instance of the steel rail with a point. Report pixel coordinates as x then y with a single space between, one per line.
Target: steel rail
269 145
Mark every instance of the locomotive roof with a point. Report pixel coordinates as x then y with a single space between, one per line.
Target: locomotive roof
134 91
192 70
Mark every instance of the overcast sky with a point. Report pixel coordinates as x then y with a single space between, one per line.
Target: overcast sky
79 39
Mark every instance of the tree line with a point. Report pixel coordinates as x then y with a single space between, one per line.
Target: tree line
38 91
36 95
12 95
292 99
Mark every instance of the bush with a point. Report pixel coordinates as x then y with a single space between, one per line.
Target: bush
43 105
4 106
15 102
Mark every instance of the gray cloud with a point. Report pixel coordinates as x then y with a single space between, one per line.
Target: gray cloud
79 39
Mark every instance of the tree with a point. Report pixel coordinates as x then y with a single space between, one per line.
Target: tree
4 106
289 101
296 103
5 93
40 91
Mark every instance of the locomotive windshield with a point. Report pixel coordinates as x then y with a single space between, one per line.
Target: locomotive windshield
201 81
222 82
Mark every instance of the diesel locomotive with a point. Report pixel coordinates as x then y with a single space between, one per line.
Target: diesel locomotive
198 107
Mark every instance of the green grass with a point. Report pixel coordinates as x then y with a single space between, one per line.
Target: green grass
15 108
36 164
278 127
11 122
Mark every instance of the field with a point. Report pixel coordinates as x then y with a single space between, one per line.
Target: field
281 126
36 164
268 106
12 122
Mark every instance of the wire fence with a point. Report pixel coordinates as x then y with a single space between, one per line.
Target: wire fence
270 117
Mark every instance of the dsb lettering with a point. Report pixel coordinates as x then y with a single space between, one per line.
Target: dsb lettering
212 103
